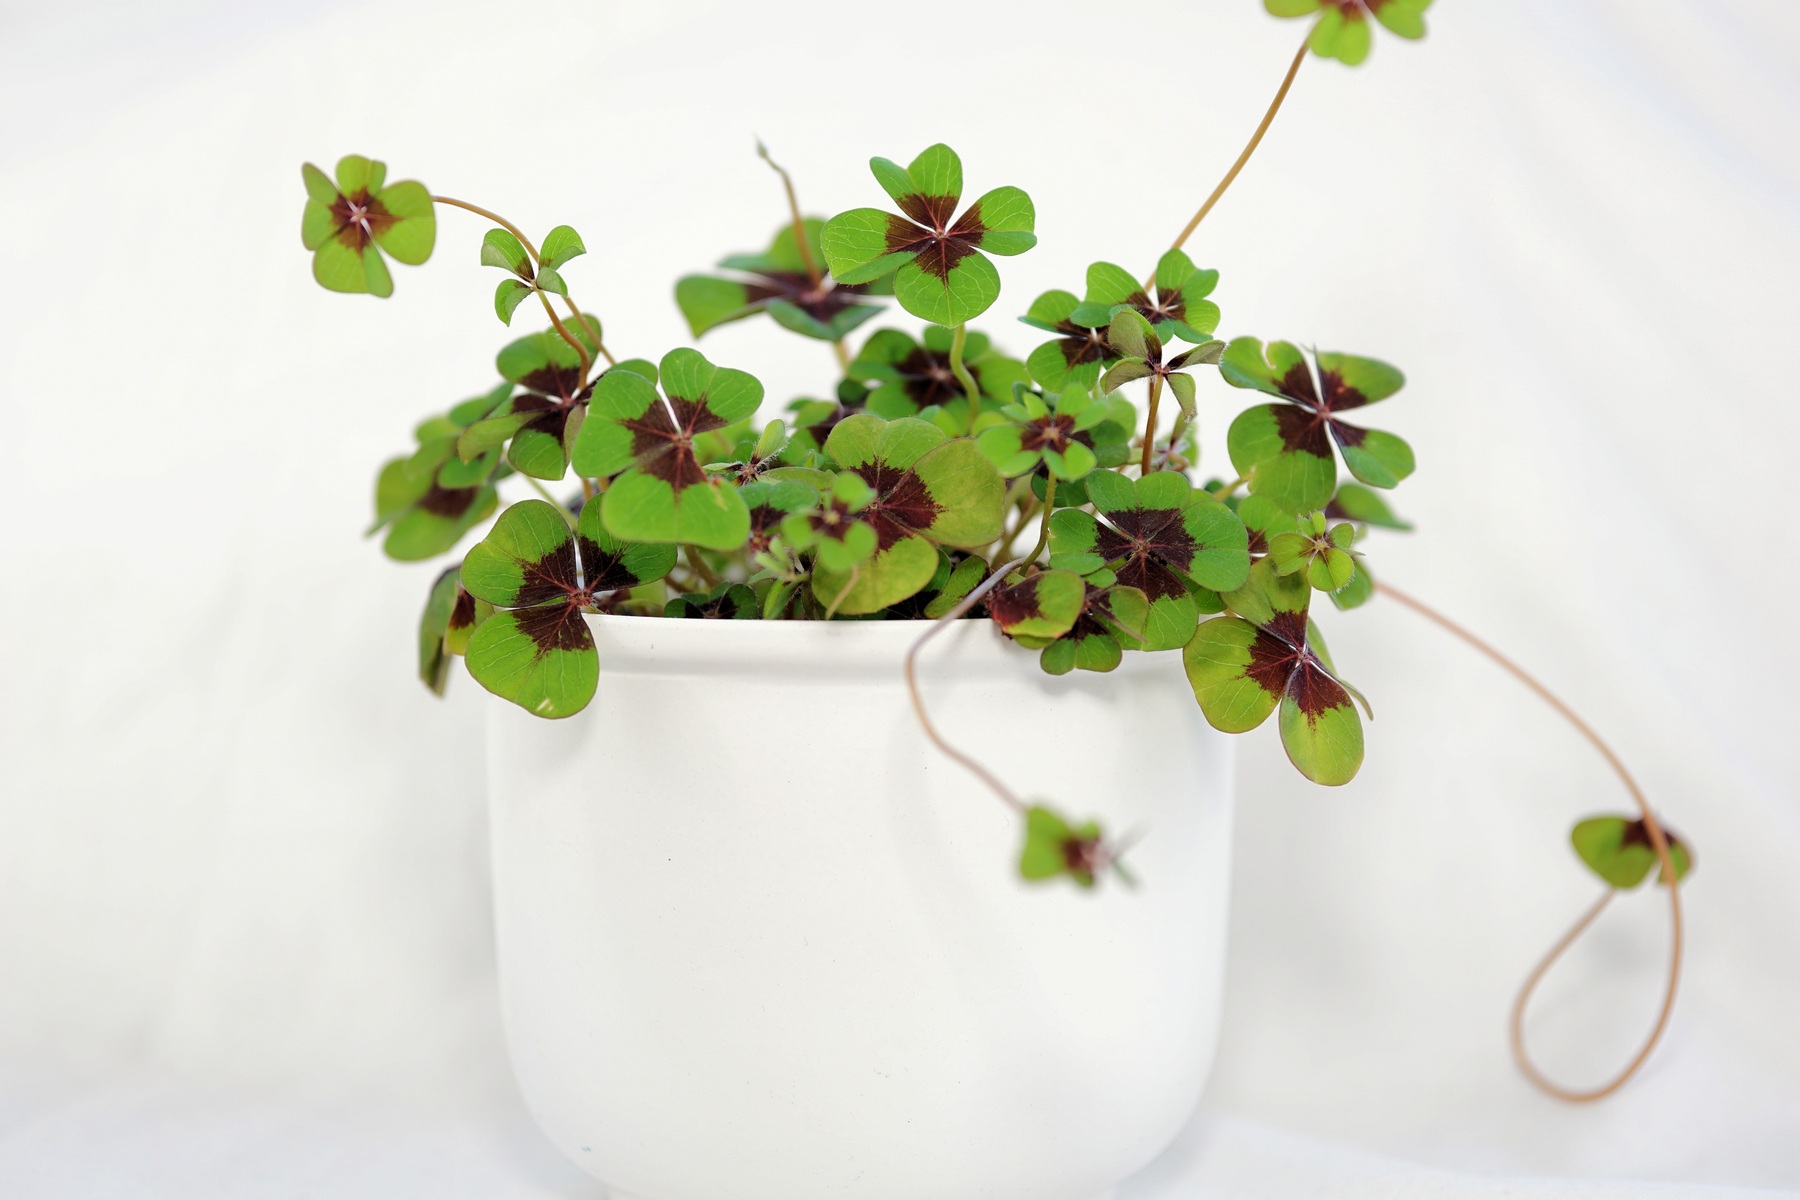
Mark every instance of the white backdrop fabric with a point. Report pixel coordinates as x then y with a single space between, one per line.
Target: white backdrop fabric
244 942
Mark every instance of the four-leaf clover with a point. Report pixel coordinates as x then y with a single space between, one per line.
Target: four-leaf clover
1066 433
1343 29
1285 448
1180 308
543 418
1162 536
1269 654
541 575
663 493
349 223
430 498
940 272
929 491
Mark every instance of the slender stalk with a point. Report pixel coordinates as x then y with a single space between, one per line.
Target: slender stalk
698 565
787 183
1225 489
580 350
496 218
962 375
1150 423
532 251
581 319
855 574
1006 794
1044 528
1249 149
1659 842
843 357
549 499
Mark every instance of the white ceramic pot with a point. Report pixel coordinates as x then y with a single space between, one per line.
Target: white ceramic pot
759 941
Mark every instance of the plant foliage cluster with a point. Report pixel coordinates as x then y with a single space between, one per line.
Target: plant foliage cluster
936 455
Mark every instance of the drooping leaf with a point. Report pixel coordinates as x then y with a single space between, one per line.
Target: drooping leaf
1620 852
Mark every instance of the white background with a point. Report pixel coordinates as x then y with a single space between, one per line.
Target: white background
244 943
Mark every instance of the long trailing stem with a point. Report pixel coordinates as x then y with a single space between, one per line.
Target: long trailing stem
968 763
1659 842
1287 81
1150 424
957 339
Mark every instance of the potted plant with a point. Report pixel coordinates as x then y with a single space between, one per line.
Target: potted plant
756 934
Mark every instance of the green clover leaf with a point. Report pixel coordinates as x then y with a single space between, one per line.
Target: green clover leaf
1356 503
541 576
349 223
1619 851
1179 310
662 494
929 491
1141 349
1320 555
1042 605
779 281
913 378
831 529
1343 28
1111 619
1269 654
450 617
940 271
1056 847
429 499
1078 352
1175 544
541 420
1068 434
1285 448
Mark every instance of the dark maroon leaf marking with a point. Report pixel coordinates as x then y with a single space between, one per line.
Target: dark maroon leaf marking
938 245
556 576
1155 546
765 521
448 502
1282 664
902 505
359 217
1082 344
928 379
664 445
1013 603
834 521
554 627
1306 422
1636 833
462 611
821 301
1051 432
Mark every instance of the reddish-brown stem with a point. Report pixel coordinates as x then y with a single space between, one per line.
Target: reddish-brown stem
1006 794
1150 423
1659 842
532 252
1255 139
787 183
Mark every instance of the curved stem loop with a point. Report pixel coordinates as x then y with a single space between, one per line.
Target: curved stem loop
1659 841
